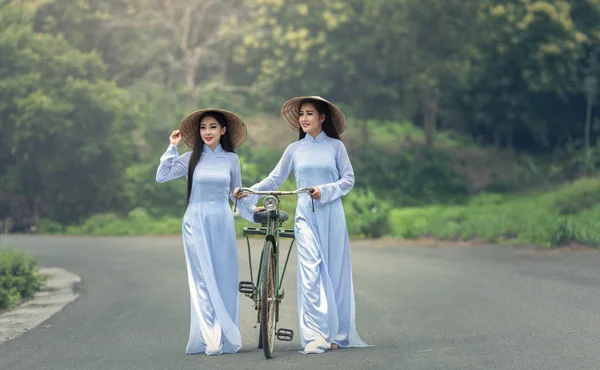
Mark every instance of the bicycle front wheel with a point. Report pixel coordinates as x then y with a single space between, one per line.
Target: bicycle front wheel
268 299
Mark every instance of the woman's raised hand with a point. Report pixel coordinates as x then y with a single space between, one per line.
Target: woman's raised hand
175 137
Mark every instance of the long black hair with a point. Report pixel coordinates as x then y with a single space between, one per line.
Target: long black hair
199 146
323 109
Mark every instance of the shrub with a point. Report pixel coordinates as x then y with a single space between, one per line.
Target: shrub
366 215
18 277
410 176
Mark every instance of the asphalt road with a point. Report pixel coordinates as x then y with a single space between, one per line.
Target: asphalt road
423 308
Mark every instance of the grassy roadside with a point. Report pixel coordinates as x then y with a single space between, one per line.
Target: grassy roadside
566 215
569 214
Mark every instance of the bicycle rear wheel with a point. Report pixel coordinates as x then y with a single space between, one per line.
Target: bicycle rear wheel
268 299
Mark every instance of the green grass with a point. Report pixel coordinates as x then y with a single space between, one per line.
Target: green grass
137 222
366 217
565 215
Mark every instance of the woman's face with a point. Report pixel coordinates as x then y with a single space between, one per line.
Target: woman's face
310 120
211 132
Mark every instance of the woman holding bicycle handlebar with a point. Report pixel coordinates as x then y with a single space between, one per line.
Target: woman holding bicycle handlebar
319 160
212 170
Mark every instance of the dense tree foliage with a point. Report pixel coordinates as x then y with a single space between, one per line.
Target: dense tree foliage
90 89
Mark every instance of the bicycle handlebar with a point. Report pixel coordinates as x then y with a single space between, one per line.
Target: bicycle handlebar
277 192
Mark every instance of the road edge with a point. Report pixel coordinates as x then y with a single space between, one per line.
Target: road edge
60 289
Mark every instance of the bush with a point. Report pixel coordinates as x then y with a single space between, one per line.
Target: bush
568 214
141 190
18 277
47 226
576 197
410 176
366 215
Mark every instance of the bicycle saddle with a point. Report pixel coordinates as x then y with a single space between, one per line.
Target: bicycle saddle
262 216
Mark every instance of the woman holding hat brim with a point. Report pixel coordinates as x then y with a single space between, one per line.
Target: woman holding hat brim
325 292
212 170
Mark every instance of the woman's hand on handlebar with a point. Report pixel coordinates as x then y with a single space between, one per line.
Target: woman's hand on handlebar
238 195
315 193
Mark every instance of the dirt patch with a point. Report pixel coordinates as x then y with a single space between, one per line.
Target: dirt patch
482 166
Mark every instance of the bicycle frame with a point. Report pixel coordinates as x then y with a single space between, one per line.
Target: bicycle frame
271 229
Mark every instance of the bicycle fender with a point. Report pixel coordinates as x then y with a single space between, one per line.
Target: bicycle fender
272 239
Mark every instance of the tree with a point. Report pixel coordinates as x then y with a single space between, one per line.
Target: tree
191 32
64 128
375 57
321 48
427 44
525 84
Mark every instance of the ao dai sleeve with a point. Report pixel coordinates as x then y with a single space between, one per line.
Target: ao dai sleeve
172 165
336 190
277 177
244 206
279 174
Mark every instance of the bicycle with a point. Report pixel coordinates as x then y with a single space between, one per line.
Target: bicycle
268 294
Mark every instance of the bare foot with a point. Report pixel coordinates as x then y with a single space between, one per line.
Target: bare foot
334 346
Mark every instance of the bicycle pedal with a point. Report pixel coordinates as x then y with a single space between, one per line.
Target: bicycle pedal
246 287
286 335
